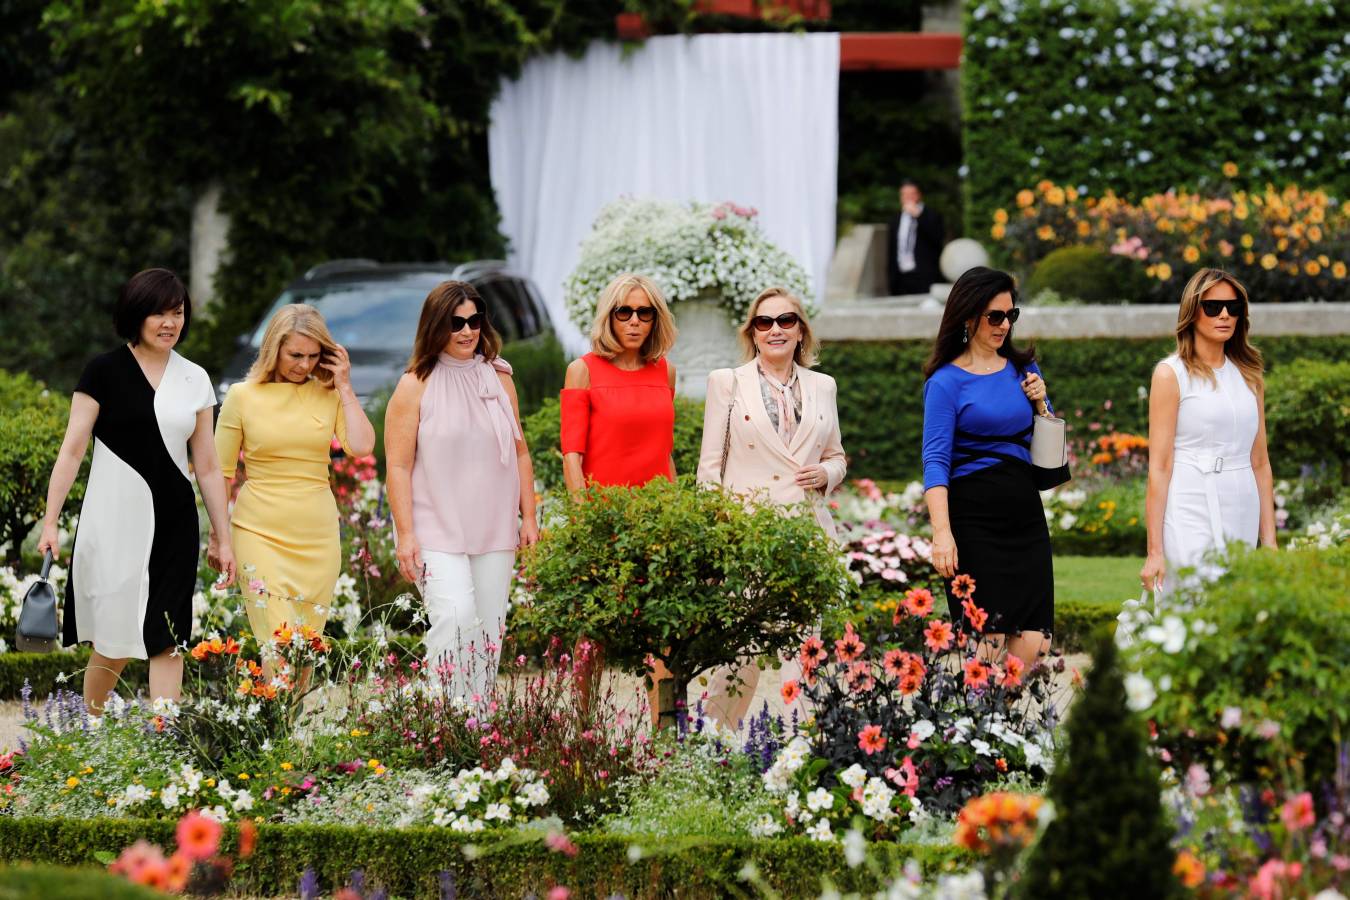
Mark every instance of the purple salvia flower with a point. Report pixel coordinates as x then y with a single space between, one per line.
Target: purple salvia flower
309 885
447 880
358 882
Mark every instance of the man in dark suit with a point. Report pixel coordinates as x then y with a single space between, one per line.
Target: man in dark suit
913 244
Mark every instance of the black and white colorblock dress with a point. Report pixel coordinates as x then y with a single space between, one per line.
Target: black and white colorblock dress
134 567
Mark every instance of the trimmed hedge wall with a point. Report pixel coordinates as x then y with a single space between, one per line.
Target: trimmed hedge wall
1145 96
881 388
408 862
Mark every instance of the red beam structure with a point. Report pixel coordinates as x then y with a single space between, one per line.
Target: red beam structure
858 51
898 50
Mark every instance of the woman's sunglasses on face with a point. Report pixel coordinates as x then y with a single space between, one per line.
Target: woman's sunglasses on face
996 316
1213 308
644 313
785 321
474 322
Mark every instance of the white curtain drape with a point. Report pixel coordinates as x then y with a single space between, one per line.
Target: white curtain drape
748 118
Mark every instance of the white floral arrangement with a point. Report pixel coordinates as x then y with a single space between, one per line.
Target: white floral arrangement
816 811
687 249
476 799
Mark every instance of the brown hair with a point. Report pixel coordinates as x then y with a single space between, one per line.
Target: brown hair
805 354
659 340
293 318
1237 348
433 328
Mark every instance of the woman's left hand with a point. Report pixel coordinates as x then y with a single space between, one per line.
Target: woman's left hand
812 477
529 533
224 563
1034 387
337 362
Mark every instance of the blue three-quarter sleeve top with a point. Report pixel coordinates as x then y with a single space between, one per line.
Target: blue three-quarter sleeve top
971 422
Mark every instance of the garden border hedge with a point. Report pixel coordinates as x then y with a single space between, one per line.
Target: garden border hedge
407 862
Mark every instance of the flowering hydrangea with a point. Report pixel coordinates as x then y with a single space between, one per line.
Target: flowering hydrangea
686 249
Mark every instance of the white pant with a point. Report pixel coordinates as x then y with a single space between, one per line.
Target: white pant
466 598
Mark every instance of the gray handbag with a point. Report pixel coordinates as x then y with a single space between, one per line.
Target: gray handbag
37 631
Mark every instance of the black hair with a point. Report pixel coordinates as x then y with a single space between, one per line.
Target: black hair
969 296
146 294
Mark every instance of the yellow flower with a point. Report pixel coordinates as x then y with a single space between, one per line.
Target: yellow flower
1045 233
210 782
1323 259
1055 196
373 763
87 770
1282 244
1338 269
1314 233
1084 228
72 781
1190 254
286 767
243 776
1001 216
1269 261
1071 193
1247 241
1312 267
997 232
1240 211
1230 170
1025 198
1164 271
1249 258
1151 271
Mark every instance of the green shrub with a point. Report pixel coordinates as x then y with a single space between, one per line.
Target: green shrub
1109 523
1076 623
1268 640
543 433
1130 119
409 862
1109 838
881 389
42 882
694 577
1085 274
32 425
1308 418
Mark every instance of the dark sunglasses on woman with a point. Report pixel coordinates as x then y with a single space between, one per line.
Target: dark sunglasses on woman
644 313
1212 308
474 322
785 321
996 316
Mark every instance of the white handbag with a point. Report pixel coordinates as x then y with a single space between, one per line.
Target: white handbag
1049 450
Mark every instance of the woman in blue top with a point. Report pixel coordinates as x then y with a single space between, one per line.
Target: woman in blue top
987 517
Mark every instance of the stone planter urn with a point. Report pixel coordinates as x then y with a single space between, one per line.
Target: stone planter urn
707 341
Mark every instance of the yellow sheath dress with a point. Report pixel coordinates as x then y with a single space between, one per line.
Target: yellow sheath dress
285 520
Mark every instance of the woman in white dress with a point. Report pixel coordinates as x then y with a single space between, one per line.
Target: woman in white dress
1209 477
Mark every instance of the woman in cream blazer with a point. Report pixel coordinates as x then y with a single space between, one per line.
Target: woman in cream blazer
771 427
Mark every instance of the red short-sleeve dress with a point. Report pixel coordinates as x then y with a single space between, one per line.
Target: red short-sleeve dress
623 425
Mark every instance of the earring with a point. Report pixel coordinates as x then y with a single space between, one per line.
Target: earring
965 335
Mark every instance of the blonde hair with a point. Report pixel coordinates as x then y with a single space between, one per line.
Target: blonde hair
805 354
294 318
1237 348
659 340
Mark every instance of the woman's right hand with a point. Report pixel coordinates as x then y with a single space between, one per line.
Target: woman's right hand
1151 575
944 554
409 555
49 542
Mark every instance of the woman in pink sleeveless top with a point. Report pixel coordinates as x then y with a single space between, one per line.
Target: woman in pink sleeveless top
461 484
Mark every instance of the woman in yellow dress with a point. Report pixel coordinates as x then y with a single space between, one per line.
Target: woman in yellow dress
296 397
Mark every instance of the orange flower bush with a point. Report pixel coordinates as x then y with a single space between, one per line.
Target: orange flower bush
998 821
1285 243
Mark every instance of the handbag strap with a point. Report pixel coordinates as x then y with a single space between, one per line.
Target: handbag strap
46 564
726 440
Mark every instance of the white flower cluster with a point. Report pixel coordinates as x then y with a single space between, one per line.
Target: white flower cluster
1324 534
814 809
687 249
475 799
1061 507
184 791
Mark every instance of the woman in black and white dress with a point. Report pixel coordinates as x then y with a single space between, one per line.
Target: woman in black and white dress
134 567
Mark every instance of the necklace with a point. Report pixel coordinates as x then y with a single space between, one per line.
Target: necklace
985 367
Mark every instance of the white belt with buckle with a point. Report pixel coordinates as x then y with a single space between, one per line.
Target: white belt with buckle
1209 464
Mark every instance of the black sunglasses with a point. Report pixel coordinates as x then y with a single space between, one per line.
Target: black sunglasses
996 316
474 322
1212 308
644 313
785 321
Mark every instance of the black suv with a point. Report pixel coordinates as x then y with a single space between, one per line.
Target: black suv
372 309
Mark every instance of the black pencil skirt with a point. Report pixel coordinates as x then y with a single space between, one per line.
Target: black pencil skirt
1002 542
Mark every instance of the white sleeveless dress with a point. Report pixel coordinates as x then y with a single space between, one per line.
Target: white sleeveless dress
1212 499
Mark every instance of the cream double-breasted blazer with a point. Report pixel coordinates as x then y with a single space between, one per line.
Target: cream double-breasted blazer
757 459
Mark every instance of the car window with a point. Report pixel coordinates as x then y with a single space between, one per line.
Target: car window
526 312
363 316
496 294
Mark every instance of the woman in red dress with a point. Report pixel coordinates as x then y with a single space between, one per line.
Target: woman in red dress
618 406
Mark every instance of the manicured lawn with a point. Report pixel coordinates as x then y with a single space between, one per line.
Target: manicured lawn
1096 579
